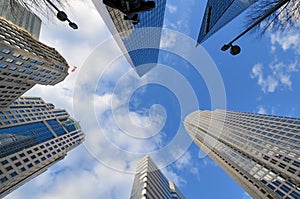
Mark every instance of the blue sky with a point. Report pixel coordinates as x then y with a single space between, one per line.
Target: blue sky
116 108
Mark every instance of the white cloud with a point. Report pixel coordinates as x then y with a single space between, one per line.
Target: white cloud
183 161
174 177
171 8
80 175
286 40
279 75
262 110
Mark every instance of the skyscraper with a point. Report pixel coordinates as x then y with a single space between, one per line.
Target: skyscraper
33 136
150 183
260 152
21 17
218 14
25 62
140 43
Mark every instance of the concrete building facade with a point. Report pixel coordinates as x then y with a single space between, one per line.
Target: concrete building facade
150 183
21 16
260 152
34 135
25 62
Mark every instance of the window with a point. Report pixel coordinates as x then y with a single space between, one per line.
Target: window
279 193
5 51
285 188
271 187
18 164
34 67
16 54
297 164
4 179
19 63
1 57
33 61
27 65
4 162
25 58
8 168
13 174
3 65
28 72
9 60
21 70
13 68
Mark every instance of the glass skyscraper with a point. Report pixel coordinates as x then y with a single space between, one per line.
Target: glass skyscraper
140 43
260 152
33 136
218 14
150 183
21 16
24 62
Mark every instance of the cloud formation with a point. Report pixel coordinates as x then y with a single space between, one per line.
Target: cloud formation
80 175
279 75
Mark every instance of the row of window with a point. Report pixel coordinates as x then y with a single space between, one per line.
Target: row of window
25 58
52 148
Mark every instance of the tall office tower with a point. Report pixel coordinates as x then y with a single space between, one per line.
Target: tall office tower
260 152
25 62
33 136
22 17
139 43
218 14
150 183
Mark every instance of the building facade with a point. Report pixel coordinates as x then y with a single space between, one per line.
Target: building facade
33 136
22 17
139 43
218 14
25 62
150 183
260 152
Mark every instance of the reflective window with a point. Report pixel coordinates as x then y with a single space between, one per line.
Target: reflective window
6 51
3 65
27 65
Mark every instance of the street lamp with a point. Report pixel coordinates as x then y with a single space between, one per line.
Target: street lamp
235 49
62 16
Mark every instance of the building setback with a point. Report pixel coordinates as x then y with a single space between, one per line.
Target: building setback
21 16
34 135
218 14
25 62
260 152
139 43
150 183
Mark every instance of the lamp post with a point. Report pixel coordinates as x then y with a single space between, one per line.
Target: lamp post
235 49
62 16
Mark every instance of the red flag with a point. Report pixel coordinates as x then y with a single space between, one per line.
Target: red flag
73 69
